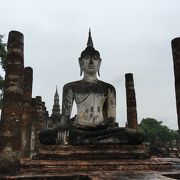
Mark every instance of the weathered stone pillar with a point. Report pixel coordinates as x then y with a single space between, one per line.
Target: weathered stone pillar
178 143
10 127
176 59
43 115
131 101
47 118
33 127
39 120
27 113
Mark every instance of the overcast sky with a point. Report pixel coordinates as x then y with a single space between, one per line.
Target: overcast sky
131 35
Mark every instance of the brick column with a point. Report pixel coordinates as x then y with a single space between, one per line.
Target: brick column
176 59
39 120
47 118
33 127
43 115
131 101
27 113
10 127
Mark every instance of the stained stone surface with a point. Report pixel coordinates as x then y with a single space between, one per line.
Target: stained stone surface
94 176
40 121
94 169
176 59
33 127
92 152
131 101
27 113
9 160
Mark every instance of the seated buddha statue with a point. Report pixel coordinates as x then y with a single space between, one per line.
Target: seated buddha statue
95 121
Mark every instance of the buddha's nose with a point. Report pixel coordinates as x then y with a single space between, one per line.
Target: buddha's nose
91 61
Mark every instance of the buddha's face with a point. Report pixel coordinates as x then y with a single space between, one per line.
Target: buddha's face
91 64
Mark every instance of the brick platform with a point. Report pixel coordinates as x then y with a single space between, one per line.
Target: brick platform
91 152
93 169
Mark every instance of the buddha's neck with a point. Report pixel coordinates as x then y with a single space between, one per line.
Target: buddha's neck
90 78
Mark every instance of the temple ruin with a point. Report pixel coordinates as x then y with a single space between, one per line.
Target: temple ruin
89 145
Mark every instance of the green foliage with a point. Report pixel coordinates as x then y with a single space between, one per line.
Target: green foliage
153 129
3 57
3 53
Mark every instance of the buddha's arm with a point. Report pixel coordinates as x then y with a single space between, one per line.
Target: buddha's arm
67 103
111 103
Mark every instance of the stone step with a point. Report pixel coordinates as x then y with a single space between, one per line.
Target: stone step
91 156
51 166
108 151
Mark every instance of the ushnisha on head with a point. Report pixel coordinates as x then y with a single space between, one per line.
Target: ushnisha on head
90 60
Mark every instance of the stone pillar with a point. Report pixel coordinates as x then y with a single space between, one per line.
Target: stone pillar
27 113
33 127
131 102
47 118
39 120
178 143
10 127
176 59
38 113
43 115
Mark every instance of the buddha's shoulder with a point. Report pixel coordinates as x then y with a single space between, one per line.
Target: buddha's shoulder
72 84
82 84
105 84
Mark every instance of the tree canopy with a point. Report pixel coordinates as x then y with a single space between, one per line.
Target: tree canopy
153 129
3 53
3 56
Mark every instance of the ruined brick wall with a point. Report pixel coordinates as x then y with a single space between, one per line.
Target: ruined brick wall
10 128
39 115
12 108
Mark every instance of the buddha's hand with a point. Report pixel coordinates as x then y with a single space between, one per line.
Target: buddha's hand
110 122
62 133
64 123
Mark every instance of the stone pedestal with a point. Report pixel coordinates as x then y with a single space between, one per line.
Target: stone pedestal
10 126
92 152
95 166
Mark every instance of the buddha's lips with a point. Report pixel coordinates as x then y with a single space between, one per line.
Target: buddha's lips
91 67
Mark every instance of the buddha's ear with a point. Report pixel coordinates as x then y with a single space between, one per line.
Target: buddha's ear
99 66
80 65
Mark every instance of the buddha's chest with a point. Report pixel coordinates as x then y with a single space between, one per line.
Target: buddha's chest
90 99
90 107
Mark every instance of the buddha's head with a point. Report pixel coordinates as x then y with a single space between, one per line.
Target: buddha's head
90 60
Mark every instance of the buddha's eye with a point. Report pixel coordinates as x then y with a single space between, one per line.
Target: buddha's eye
87 57
95 57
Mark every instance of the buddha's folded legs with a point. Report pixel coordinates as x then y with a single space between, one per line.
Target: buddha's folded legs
48 136
77 136
114 135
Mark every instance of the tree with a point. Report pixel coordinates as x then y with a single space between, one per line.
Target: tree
3 53
3 57
153 129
